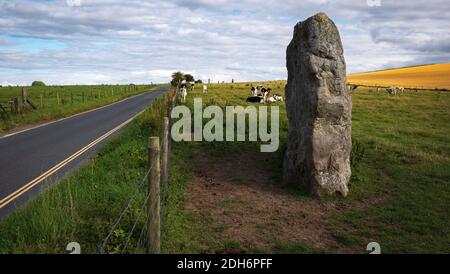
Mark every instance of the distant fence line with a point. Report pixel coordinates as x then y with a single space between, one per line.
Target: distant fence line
155 203
377 85
43 98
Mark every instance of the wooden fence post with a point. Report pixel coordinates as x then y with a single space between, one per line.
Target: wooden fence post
25 98
42 101
165 152
58 100
154 201
16 106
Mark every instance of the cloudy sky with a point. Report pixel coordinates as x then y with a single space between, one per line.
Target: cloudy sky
137 41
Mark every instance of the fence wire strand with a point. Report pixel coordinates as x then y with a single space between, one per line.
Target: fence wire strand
143 232
143 207
161 197
124 211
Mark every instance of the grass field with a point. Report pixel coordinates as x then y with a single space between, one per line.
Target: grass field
420 77
72 99
226 197
400 188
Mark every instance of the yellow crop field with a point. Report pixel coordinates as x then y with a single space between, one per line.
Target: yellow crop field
421 77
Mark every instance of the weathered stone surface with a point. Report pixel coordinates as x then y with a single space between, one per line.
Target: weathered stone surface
319 109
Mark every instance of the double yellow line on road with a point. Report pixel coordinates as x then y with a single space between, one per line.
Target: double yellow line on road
5 201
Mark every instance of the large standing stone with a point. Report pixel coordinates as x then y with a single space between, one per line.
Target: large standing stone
319 109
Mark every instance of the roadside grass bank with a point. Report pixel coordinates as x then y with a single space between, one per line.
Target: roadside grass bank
62 101
83 206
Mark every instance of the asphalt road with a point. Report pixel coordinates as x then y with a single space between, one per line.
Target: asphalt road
31 160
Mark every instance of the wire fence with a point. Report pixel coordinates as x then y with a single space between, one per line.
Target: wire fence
385 85
142 218
26 99
103 246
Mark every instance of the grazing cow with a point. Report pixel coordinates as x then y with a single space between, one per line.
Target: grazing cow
205 89
265 90
275 98
378 90
184 93
270 100
278 98
391 90
265 93
255 99
183 85
254 91
400 90
351 88
191 86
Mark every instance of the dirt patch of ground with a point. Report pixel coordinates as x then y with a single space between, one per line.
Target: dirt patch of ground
243 205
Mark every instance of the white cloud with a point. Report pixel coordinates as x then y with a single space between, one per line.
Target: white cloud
73 3
112 41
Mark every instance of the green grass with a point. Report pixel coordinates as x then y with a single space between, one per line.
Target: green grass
403 161
73 99
401 156
407 160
